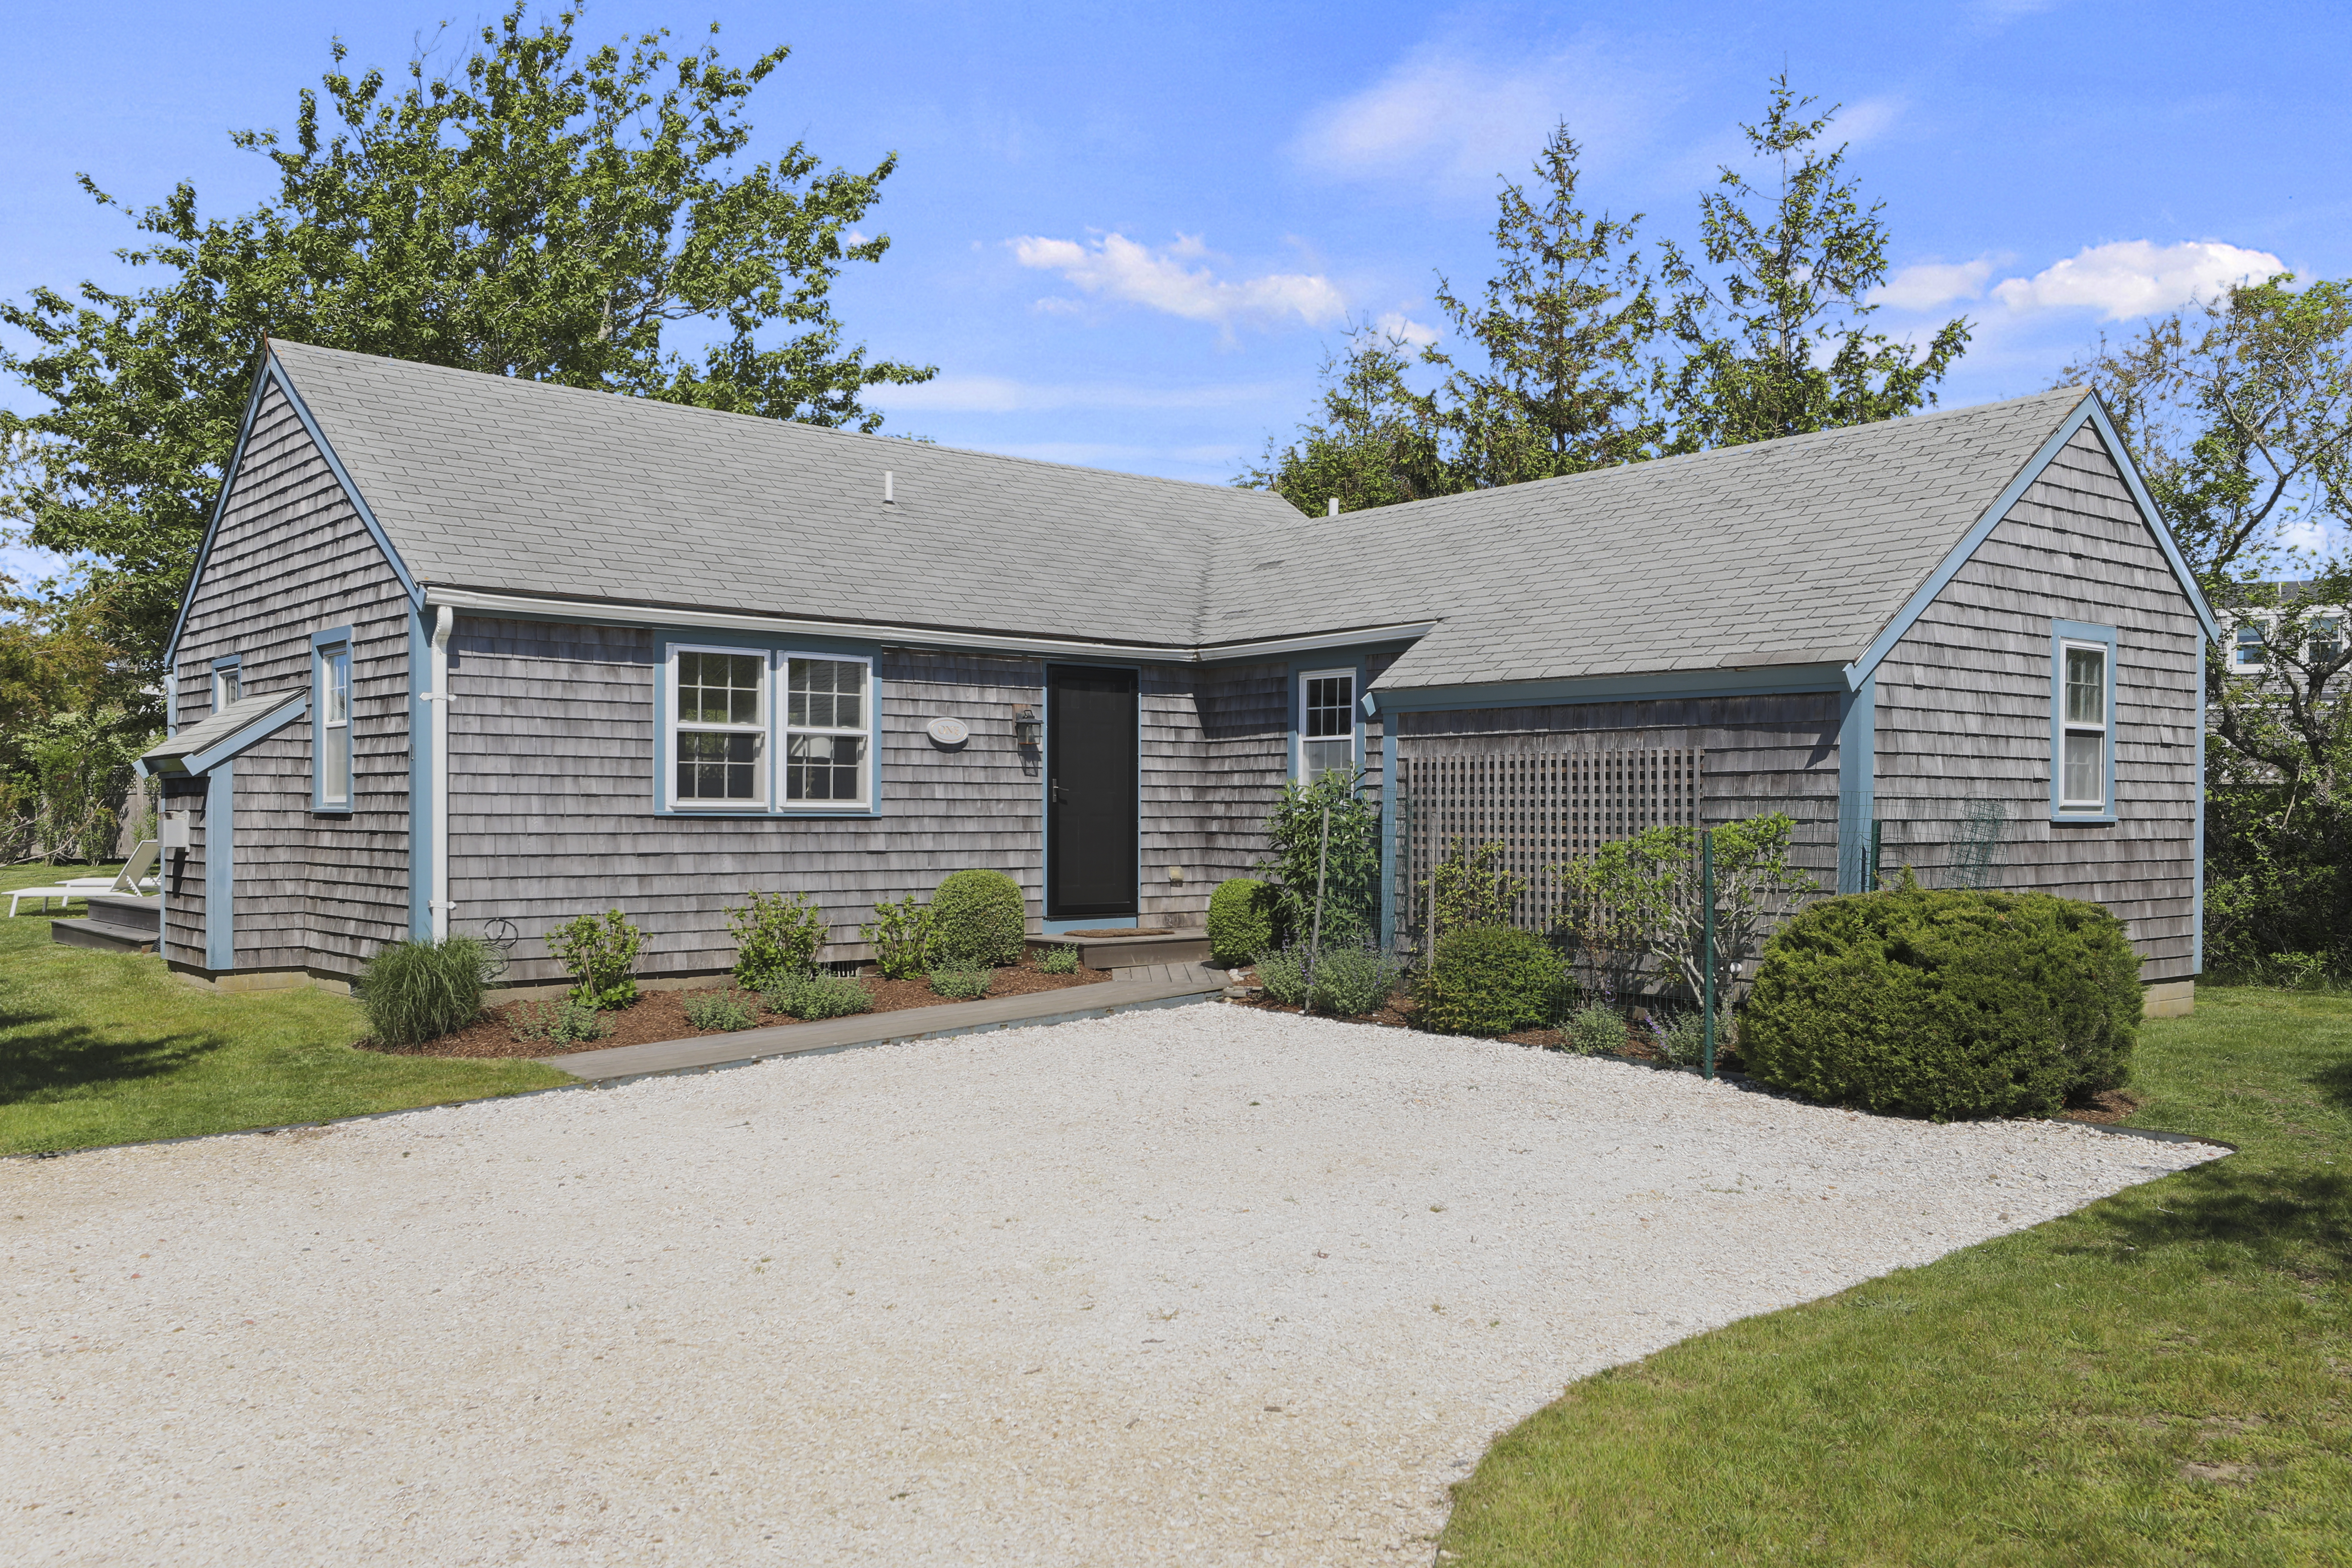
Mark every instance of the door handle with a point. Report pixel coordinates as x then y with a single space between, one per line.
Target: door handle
1059 798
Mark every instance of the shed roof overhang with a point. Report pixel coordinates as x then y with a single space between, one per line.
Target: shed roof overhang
206 744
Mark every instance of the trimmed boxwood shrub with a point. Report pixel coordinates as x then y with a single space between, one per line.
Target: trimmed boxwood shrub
978 919
1490 980
1241 920
1946 1004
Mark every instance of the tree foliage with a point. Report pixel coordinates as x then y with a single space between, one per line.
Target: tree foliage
1326 835
1776 340
2239 412
543 209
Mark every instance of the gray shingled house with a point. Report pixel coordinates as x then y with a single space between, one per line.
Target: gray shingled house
463 650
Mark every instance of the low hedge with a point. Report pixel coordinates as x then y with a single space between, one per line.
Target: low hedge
1946 1004
978 918
1490 980
1241 920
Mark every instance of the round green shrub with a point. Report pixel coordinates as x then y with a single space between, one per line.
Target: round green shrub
1241 920
1491 980
978 918
1946 1004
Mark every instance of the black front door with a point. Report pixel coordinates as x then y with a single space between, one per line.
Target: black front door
1090 793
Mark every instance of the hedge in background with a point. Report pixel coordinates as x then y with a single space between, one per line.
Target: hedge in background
978 919
1491 980
1946 1004
1241 920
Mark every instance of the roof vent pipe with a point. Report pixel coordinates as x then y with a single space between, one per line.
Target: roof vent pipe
1331 507
888 499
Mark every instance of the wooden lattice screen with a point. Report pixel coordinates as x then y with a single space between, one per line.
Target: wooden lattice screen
1544 802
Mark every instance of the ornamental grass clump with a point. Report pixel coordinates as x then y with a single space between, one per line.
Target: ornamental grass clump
1491 980
776 935
978 919
810 997
600 954
1946 1004
415 991
1241 920
721 1010
962 985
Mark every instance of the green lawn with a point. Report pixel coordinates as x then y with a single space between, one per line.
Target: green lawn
2163 1378
108 1048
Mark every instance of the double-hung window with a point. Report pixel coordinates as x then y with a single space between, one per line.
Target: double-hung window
825 731
764 730
1327 722
228 683
330 709
722 727
2082 722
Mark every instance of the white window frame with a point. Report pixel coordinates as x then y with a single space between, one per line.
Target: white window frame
2066 727
332 735
1299 768
762 769
864 732
2239 646
228 681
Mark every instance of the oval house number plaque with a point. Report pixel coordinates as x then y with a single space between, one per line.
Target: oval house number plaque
949 731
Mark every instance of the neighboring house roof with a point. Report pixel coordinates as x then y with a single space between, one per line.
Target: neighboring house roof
1796 551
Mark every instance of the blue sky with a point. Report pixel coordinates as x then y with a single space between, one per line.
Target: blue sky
1128 234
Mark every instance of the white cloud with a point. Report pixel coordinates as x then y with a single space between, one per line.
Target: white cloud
1867 119
1118 267
1932 283
1397 324
2134 276
1002 394
1447 116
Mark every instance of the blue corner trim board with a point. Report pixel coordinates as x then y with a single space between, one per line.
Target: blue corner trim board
2196 888
1388 889
2088 412
220 868
2061 634
1857 781
217 756
420 782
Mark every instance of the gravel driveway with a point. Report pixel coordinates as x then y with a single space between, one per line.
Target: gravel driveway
1206 1285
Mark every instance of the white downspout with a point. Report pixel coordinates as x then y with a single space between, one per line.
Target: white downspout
439 697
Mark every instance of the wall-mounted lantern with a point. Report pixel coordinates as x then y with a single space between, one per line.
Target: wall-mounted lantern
1028 733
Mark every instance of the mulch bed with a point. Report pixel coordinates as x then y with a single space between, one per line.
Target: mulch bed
658 1015
2107 1105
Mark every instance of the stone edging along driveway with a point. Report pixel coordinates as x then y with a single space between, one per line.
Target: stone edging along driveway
1194 1283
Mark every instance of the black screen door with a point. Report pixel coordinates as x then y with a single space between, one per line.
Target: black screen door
1090 793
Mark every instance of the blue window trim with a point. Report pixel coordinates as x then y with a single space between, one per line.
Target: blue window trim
322 644
1301 670
2061 634
777 650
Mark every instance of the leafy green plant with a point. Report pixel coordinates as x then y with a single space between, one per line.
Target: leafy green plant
978 918
1473 887
1593 1029
1349 978
1641 895
599 952
901 937
1058 961
414 991
559 1020
1491 980
1349 872
1241 920
719 1010
813 996
775 935
1683 1037
962 985
1945 1003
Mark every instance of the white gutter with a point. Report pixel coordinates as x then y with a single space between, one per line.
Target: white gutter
439 697
599 611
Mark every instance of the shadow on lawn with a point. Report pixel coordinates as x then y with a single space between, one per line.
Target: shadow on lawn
2290 1217
2335 1081
45 1053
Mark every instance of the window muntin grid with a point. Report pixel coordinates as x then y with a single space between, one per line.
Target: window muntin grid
2083 761
721 726
826 713
1327 722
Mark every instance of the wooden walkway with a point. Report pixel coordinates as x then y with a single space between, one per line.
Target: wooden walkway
1157 985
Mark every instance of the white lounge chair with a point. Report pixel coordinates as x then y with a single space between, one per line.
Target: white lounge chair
131 880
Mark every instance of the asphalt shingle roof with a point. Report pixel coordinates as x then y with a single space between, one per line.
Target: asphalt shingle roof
1796 550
